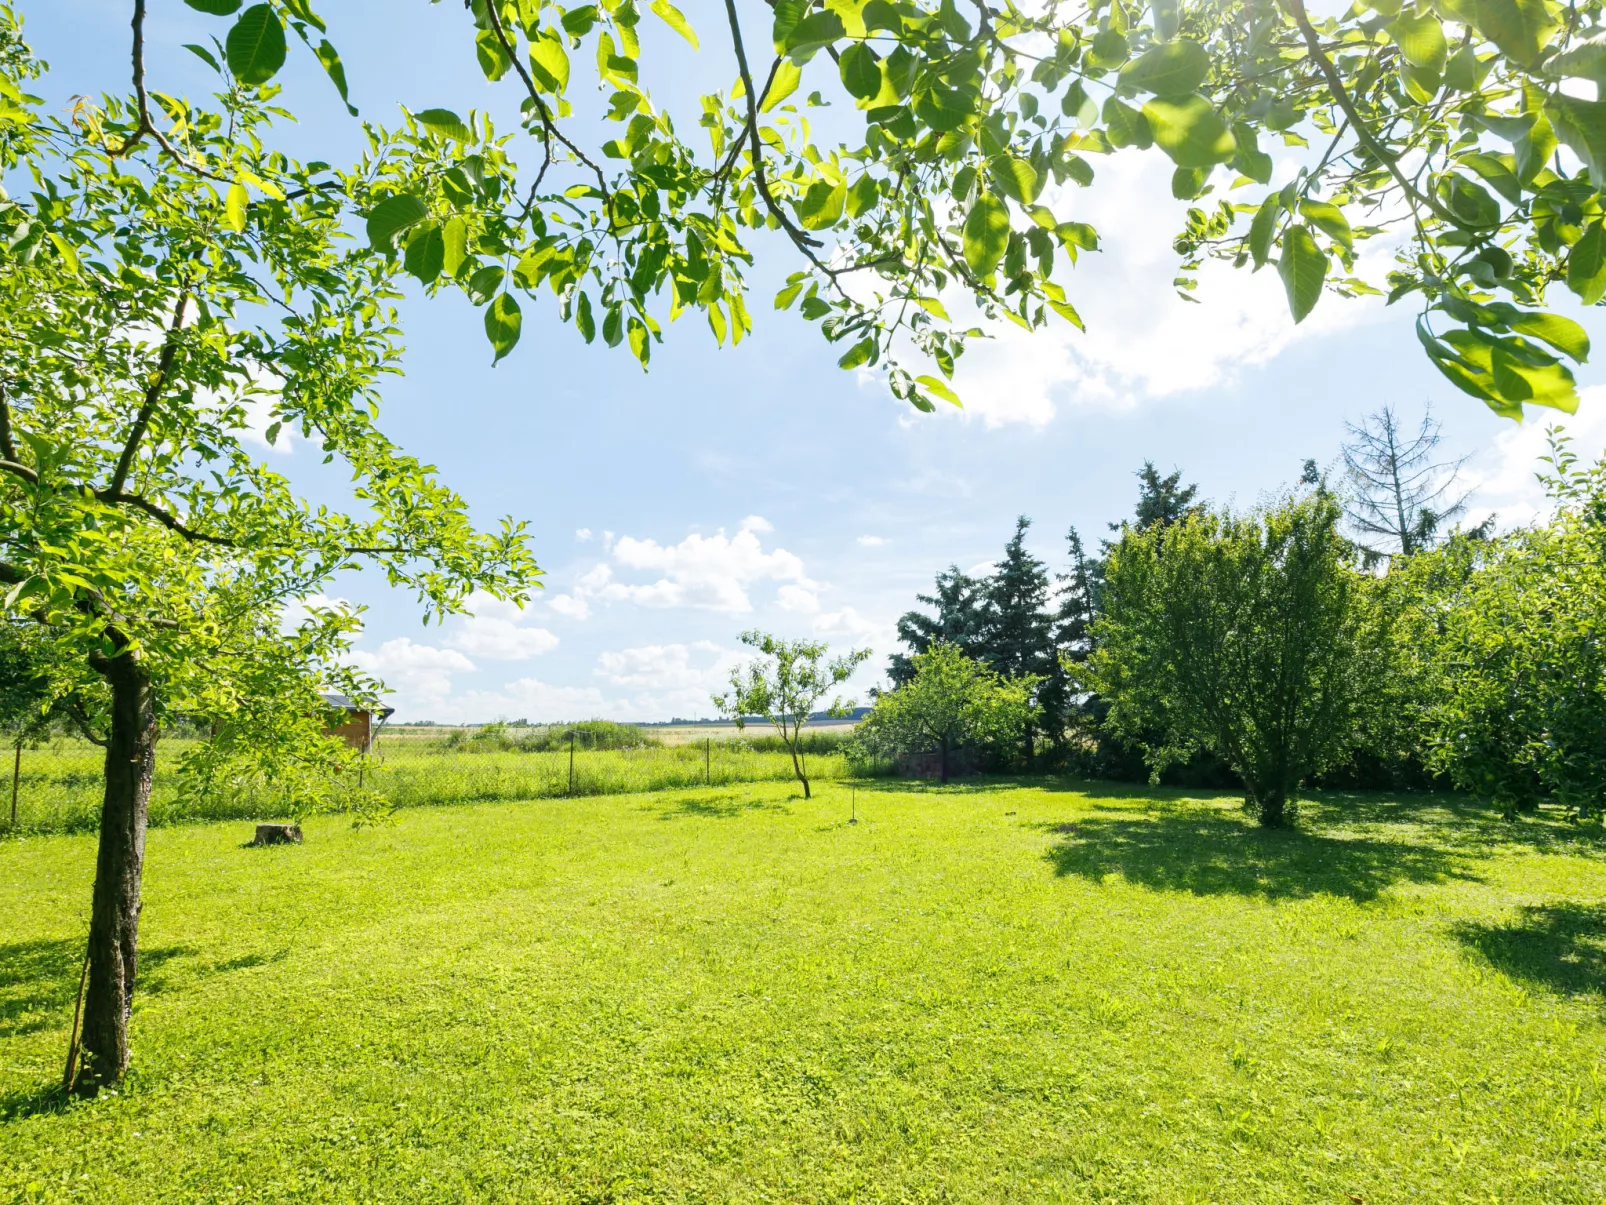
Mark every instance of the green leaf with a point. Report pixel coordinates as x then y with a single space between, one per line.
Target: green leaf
502 323
986 234
1499 170
446 123
612 327
1077 234
493 59
1581 126
234 206
549 63
822 205
862 195
676 20
202 53
858 354
584 322
861 71
578 21
945 109
1015 178
69 255
1464 72
640 344
1330 220
787 77
393 215
1190 131
1188 182
1126 126
1167 18
1169 69
255 46
1582 60
1108 49
1565 335
787 14
454 243
1470 202
785 298
329 57
1420 37
1520 28
939 387
1303 267
218 8
812 33
426 253
1262 227
1586 265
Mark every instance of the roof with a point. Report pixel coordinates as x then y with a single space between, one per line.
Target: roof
344 703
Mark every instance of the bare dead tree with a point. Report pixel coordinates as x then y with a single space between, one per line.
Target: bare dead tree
1399 495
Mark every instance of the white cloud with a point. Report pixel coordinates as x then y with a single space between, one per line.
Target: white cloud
706 572
1505 471
1142 340
796 598
570 606
582 534
872 541
494 631
419 675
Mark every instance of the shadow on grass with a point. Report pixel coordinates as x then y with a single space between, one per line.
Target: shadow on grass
720 807
39 979
1207 852
1557 946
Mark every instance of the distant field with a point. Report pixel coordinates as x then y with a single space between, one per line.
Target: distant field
1002 992
60 785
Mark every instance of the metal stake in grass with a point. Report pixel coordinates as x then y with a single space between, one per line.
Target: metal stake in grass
571 761
708 761
853 804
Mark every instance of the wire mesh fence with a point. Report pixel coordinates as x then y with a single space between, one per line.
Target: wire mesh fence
54 785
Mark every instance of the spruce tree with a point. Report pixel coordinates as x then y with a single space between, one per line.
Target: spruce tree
961 620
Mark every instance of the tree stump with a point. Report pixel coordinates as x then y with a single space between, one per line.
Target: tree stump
278 834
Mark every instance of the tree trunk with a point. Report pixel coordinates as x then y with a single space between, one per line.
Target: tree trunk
114 919
1272 808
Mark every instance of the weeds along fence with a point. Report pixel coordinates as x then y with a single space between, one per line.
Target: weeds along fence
57 785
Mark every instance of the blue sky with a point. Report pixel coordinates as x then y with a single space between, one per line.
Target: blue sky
761 486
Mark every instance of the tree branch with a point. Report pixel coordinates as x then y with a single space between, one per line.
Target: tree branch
1362 130
805 243
547 123
153 392
143 101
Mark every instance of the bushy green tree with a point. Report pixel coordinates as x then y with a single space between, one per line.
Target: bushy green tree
951 702
170 272
962 619
785 685
1250 636
1503 648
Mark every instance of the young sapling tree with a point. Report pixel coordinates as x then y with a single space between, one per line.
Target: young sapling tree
785 686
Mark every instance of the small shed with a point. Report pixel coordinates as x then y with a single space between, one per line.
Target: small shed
361 726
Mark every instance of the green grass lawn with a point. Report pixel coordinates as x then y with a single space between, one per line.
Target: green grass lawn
997 992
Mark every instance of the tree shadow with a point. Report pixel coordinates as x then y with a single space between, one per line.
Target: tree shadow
1207 852
39 979
1557 946
720 807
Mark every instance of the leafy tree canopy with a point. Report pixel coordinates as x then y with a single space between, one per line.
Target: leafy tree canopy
1453 129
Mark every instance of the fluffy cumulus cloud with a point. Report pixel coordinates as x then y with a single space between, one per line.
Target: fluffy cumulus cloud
419 675
1504 473
872 541
708 572
1142 339
496 631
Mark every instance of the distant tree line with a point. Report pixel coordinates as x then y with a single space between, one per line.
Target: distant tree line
1342 634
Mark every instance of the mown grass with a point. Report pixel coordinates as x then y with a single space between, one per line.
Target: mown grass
999 991
61 783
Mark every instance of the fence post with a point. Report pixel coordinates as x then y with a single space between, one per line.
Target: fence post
571 761
708 761
16 775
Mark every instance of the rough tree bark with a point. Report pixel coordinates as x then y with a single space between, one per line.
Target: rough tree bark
114 918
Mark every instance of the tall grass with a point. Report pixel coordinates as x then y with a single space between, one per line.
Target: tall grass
59 790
